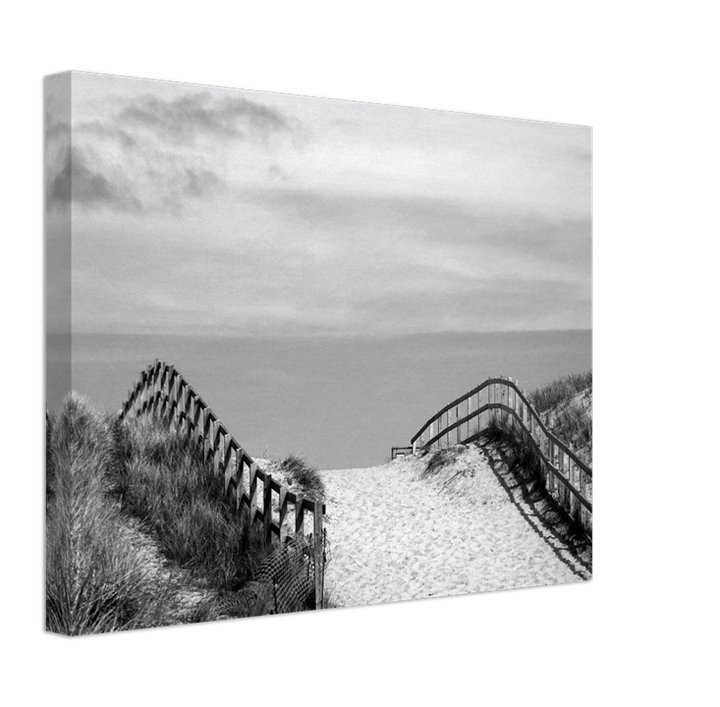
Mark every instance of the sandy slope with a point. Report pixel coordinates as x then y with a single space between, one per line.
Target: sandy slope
395 536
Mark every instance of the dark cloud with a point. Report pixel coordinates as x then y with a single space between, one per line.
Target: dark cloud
56 130
185 118
108 132
99 183
57 189
76 181
57 148
201 182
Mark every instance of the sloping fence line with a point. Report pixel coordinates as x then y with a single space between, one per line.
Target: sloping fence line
567 478
163 394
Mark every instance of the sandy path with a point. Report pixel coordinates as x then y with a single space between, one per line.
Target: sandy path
394 536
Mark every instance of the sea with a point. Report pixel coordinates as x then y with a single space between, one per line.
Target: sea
339 402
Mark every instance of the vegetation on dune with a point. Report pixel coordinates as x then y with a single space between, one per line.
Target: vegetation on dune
166 483
567 407
521 455
94 580
439 459
560 391
119 493
300 476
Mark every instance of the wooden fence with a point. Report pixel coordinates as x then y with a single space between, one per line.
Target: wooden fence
163 394
567 478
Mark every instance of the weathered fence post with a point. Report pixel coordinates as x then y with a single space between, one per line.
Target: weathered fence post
583 492
467 424
157 387
253 492
319 551
239 479
299 515
267 508
574 504
551 459
283 513
176 396
202 438
217 446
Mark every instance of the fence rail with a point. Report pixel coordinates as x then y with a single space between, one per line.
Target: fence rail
567 478
163 394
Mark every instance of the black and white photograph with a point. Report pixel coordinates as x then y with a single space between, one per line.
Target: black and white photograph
306 354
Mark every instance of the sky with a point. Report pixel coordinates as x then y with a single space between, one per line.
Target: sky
208 211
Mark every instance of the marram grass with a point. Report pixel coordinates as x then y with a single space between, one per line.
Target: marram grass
94 581
136 522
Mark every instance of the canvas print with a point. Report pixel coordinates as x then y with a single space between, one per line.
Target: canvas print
305 354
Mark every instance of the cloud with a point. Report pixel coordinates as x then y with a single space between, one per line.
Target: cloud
185 118
123 174
390 222
201 182
58 186
107 132
437 232
160 154
57 142
77 182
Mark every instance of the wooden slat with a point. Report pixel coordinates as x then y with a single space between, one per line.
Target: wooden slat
283 513
163 402
173 394
253 493
299 515
240 469
319 560
182 409
228 454
267 507
230 472
217 447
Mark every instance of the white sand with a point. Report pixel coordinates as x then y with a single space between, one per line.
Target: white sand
394 536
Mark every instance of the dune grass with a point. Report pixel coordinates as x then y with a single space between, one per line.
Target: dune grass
94 581
569 418
120 495
560 391
165 482
300 475
438 459
521 455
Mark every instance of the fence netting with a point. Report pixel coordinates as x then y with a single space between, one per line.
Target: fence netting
290 570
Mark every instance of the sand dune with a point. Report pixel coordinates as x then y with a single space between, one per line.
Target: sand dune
395 536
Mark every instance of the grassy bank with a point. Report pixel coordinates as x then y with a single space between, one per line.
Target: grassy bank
94 579
165 482
566 405
560 391
140 531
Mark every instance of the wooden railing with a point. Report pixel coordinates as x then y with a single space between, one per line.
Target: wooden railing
163 394
567 478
